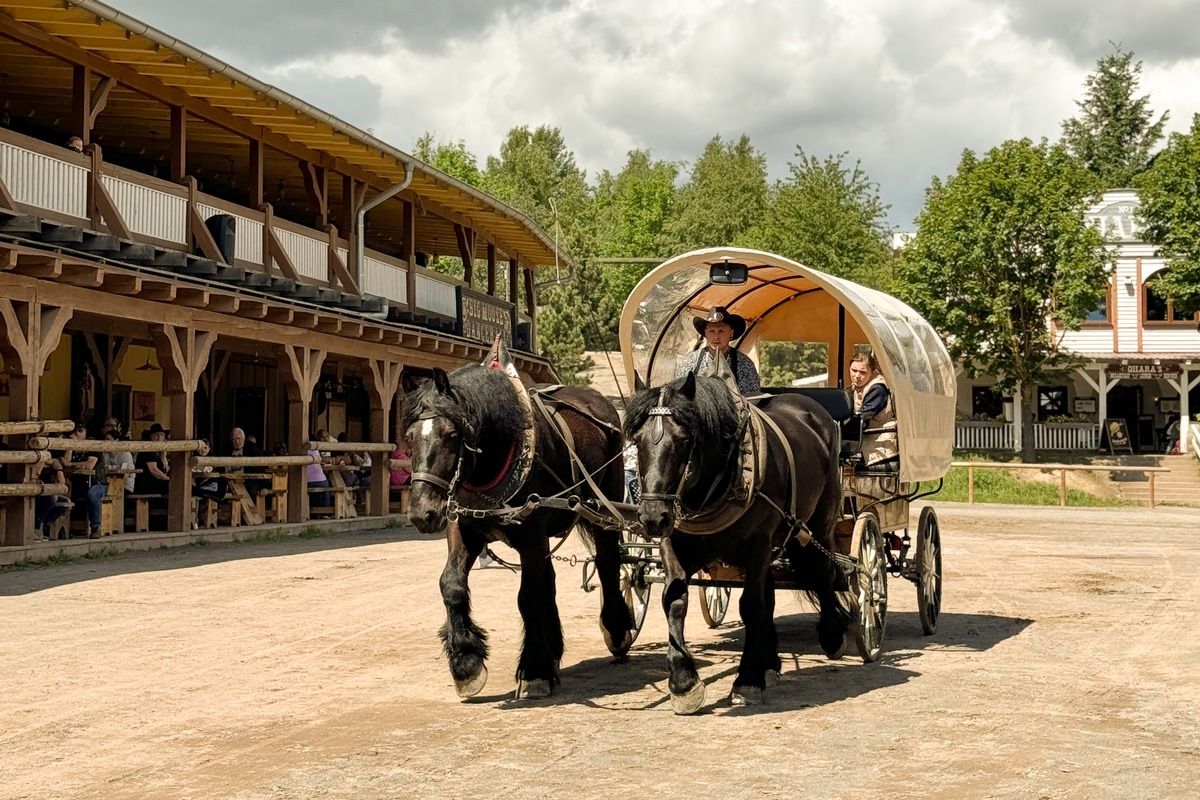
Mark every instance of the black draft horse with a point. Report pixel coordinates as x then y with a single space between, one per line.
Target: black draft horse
463 429
686 434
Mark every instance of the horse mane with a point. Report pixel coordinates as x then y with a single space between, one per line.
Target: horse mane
482 405
712 414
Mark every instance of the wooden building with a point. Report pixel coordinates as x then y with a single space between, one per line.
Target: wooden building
214 252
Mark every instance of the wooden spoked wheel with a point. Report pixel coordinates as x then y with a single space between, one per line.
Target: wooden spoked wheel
714 603
634 586
929 571
868 588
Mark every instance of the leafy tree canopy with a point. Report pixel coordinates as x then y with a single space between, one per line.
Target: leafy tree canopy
724 198
827 215
1113 134
1002 249
451 158
1170 214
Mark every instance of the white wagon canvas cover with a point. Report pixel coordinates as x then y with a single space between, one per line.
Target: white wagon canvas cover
786 301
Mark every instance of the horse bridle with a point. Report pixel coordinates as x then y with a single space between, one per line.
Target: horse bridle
673 498
450 486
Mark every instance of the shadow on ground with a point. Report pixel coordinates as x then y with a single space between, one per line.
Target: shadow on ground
21 580
808 679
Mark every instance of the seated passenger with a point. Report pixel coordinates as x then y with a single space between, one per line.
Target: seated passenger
874 410
720 327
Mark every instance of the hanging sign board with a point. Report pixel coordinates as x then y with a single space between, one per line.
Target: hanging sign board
1116 436
1146 372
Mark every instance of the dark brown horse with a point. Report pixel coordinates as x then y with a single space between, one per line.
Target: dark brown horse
469 433
688 434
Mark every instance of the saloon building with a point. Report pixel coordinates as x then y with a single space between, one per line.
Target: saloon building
1141 362
184 245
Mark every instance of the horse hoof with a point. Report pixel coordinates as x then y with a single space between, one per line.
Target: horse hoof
533 690
771 678
620 649
840 650
473 685
690 701
746 696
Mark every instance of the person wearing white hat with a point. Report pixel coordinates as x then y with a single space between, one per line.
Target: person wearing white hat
720 327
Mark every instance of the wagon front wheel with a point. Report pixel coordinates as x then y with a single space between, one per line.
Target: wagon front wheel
714 603
868 588
929 571
634 586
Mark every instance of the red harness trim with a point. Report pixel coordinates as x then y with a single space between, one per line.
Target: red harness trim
512 451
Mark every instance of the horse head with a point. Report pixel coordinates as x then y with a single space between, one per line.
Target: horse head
661 424
440 437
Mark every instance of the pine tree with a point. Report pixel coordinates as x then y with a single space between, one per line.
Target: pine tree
1113 135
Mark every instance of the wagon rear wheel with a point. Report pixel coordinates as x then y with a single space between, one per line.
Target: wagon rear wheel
634 586
714 603
929 571
868 588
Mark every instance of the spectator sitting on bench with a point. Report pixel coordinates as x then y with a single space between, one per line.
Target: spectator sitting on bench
242 447
48 508
317 479
155 477
208 485
87 487
121 459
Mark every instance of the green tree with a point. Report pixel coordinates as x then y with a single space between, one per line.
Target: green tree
631 212
536 173
452 158
1003 250
1113 134
1170 215
724 197
828 215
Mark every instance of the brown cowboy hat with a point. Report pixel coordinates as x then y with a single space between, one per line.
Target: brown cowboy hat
721 314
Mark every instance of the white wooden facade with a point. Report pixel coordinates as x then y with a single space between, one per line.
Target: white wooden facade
1152 365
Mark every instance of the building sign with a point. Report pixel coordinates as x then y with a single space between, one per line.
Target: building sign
482 317
1117 222
1144 372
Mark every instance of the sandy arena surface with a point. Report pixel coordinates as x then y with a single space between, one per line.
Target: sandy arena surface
1065 667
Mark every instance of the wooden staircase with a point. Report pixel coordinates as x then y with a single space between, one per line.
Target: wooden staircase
1180 486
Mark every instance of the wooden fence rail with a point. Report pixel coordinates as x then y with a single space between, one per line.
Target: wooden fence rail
1062 474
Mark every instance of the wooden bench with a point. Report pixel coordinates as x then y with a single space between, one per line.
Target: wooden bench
399 498
61 527
141 517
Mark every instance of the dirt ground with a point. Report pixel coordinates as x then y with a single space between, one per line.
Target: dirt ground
1065 667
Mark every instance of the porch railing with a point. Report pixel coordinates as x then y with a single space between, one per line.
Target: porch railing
1046 436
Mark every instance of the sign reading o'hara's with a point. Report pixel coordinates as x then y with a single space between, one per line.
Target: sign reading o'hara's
1147 372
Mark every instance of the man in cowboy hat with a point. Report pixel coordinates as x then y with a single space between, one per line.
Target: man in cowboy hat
720 327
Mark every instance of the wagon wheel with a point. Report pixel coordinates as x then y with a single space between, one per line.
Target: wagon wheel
868 588
929 570
714 603
634 587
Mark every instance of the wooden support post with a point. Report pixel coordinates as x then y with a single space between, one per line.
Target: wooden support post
1062 487
183 355
318 192
81 98
410 254
513 269
466 238
381 380
1152 489
178 146
300 369
491 269
971 484
257 198
30 333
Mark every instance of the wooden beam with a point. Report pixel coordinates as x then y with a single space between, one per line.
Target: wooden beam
39 266
337 269
99 99
328 325
409 249
253 309
108 210
466 248
158 291
81 93
119 283
276 253
191 297
223 303
491 269
6 198
317 190
305 319
279 315
81 274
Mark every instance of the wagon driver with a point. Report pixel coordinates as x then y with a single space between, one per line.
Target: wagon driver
874 406
720 327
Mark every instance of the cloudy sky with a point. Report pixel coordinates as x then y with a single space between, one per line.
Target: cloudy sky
904 87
